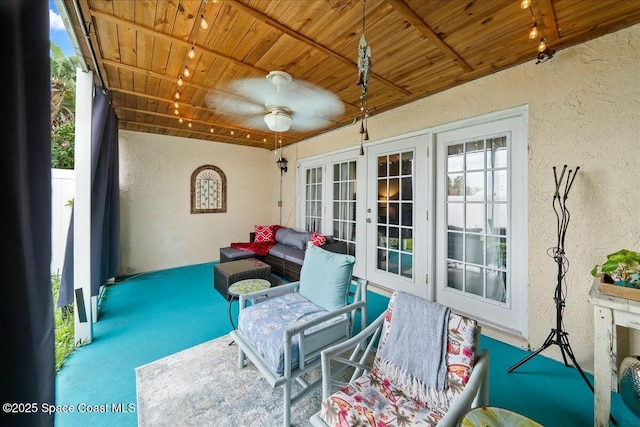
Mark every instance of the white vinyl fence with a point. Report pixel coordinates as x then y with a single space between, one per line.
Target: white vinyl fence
62 190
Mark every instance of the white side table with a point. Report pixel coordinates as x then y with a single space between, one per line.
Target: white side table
608 312
243 287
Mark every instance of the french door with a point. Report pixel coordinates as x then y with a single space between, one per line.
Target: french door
345 200
450 227
396 215
369 202
481 217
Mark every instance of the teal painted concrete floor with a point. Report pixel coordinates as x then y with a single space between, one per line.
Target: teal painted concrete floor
150 316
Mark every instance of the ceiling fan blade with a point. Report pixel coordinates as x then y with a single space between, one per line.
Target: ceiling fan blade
306 100
231 104
306 123
310 106
255 89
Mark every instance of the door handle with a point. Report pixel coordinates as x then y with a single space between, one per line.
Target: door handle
368 219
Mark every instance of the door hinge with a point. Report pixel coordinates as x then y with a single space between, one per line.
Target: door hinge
427 215
426 279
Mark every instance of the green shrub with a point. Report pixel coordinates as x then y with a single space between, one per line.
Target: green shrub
63 326
62 146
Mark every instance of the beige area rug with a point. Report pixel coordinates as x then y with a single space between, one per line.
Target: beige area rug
202 386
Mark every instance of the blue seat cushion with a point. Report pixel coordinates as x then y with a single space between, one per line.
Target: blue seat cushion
263 324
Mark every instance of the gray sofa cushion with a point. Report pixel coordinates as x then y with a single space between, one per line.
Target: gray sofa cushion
281 233
287 252
296 239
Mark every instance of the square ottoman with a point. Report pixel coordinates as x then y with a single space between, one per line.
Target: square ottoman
227 273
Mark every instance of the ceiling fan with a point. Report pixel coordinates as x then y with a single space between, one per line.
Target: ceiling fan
278 103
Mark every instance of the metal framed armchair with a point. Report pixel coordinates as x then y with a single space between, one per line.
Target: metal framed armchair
393 384
283 329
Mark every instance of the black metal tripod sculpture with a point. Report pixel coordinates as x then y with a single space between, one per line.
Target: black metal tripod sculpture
558 336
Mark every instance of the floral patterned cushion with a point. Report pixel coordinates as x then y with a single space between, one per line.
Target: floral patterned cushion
264 323
374 401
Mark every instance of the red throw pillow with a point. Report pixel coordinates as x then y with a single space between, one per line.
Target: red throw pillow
318 239
265 233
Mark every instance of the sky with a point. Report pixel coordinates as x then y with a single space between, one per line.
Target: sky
57 32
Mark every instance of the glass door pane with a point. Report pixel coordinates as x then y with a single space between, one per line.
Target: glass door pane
395 180
344 204
313 202
476 217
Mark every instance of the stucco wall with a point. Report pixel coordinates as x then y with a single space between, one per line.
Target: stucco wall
158 230
584 110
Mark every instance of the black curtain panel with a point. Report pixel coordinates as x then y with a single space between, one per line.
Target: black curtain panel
105 203
27 371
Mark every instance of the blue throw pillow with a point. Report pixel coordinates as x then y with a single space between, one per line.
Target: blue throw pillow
325 277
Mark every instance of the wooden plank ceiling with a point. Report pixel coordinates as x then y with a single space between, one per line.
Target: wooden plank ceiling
419 47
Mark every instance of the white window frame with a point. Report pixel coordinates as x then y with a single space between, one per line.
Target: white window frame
510 316
302 168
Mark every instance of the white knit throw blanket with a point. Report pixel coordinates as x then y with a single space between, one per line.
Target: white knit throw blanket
414 354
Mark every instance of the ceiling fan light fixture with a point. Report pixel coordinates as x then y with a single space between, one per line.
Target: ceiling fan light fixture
278 121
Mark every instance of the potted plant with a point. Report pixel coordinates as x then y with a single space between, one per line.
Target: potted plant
623 267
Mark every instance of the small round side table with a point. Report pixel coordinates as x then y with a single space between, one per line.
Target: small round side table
491 416
243 287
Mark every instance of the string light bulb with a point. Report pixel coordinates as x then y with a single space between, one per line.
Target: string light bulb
176 105
190 125
187 73
525 4
543 45
176 112
180 120
203 23
180 82
533 34
192 53
231 132
177 95
211 130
